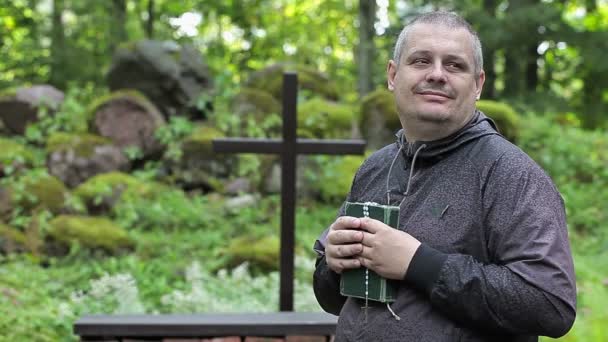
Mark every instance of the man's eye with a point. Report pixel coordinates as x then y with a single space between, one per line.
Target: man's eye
421 61
453 65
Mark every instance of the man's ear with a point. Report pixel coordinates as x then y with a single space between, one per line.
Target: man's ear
391 73
479 83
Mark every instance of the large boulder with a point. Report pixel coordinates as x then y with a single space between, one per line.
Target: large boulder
94 233
174 77
253 108
311 82
74 158
130 120
19 108
379 120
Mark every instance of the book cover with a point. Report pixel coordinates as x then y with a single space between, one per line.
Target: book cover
358 282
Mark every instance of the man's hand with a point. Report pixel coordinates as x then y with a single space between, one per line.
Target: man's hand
344 244
386 251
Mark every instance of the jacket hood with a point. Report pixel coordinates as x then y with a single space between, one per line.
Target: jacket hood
480 125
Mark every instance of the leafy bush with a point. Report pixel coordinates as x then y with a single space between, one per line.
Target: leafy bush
577 160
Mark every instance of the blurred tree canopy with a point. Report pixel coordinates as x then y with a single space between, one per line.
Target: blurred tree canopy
546 56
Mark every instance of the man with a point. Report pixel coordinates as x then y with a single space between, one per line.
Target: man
482 251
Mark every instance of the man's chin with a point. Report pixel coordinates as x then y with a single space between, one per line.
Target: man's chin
435 117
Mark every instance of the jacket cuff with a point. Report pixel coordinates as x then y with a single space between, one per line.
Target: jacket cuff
424 268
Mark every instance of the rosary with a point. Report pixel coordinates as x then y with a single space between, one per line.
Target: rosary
366 214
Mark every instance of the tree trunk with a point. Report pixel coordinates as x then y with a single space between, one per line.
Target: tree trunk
118 22
58 48
489 53
512 75
367 16
532 68
150 21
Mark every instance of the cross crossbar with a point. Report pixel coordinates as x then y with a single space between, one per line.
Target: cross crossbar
274 146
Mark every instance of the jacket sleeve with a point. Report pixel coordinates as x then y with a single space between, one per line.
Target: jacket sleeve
529 286
326 283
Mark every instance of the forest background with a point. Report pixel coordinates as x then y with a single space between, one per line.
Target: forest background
544 61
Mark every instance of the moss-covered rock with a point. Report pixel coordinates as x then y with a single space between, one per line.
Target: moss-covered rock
252 101
12 240
18 111
319 118
14 156
503 115
101 192
262 254
74 158
129 119
257 109
38 189
83 144
310 81
89 232
199 142
379 119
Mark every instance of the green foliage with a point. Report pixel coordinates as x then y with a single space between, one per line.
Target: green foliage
504 116
172 134
89 232
576 159
335 176
170 209
71 117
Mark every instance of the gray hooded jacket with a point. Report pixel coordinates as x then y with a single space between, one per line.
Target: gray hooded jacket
495 261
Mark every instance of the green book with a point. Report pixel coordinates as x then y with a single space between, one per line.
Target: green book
358 282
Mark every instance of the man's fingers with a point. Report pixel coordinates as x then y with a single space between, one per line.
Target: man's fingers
345 236
342 251
371 225
339 265
346 222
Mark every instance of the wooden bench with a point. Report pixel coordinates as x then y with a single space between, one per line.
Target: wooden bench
158 327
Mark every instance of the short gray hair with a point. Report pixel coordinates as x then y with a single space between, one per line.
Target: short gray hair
448 19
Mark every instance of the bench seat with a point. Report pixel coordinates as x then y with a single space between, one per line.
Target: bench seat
275 324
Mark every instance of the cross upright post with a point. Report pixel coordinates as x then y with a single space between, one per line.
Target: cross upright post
288 148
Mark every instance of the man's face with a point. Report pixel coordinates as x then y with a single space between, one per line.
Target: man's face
435 82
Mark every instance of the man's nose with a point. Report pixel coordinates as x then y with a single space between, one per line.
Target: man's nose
436 73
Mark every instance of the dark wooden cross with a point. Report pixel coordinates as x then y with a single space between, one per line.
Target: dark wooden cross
288 148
